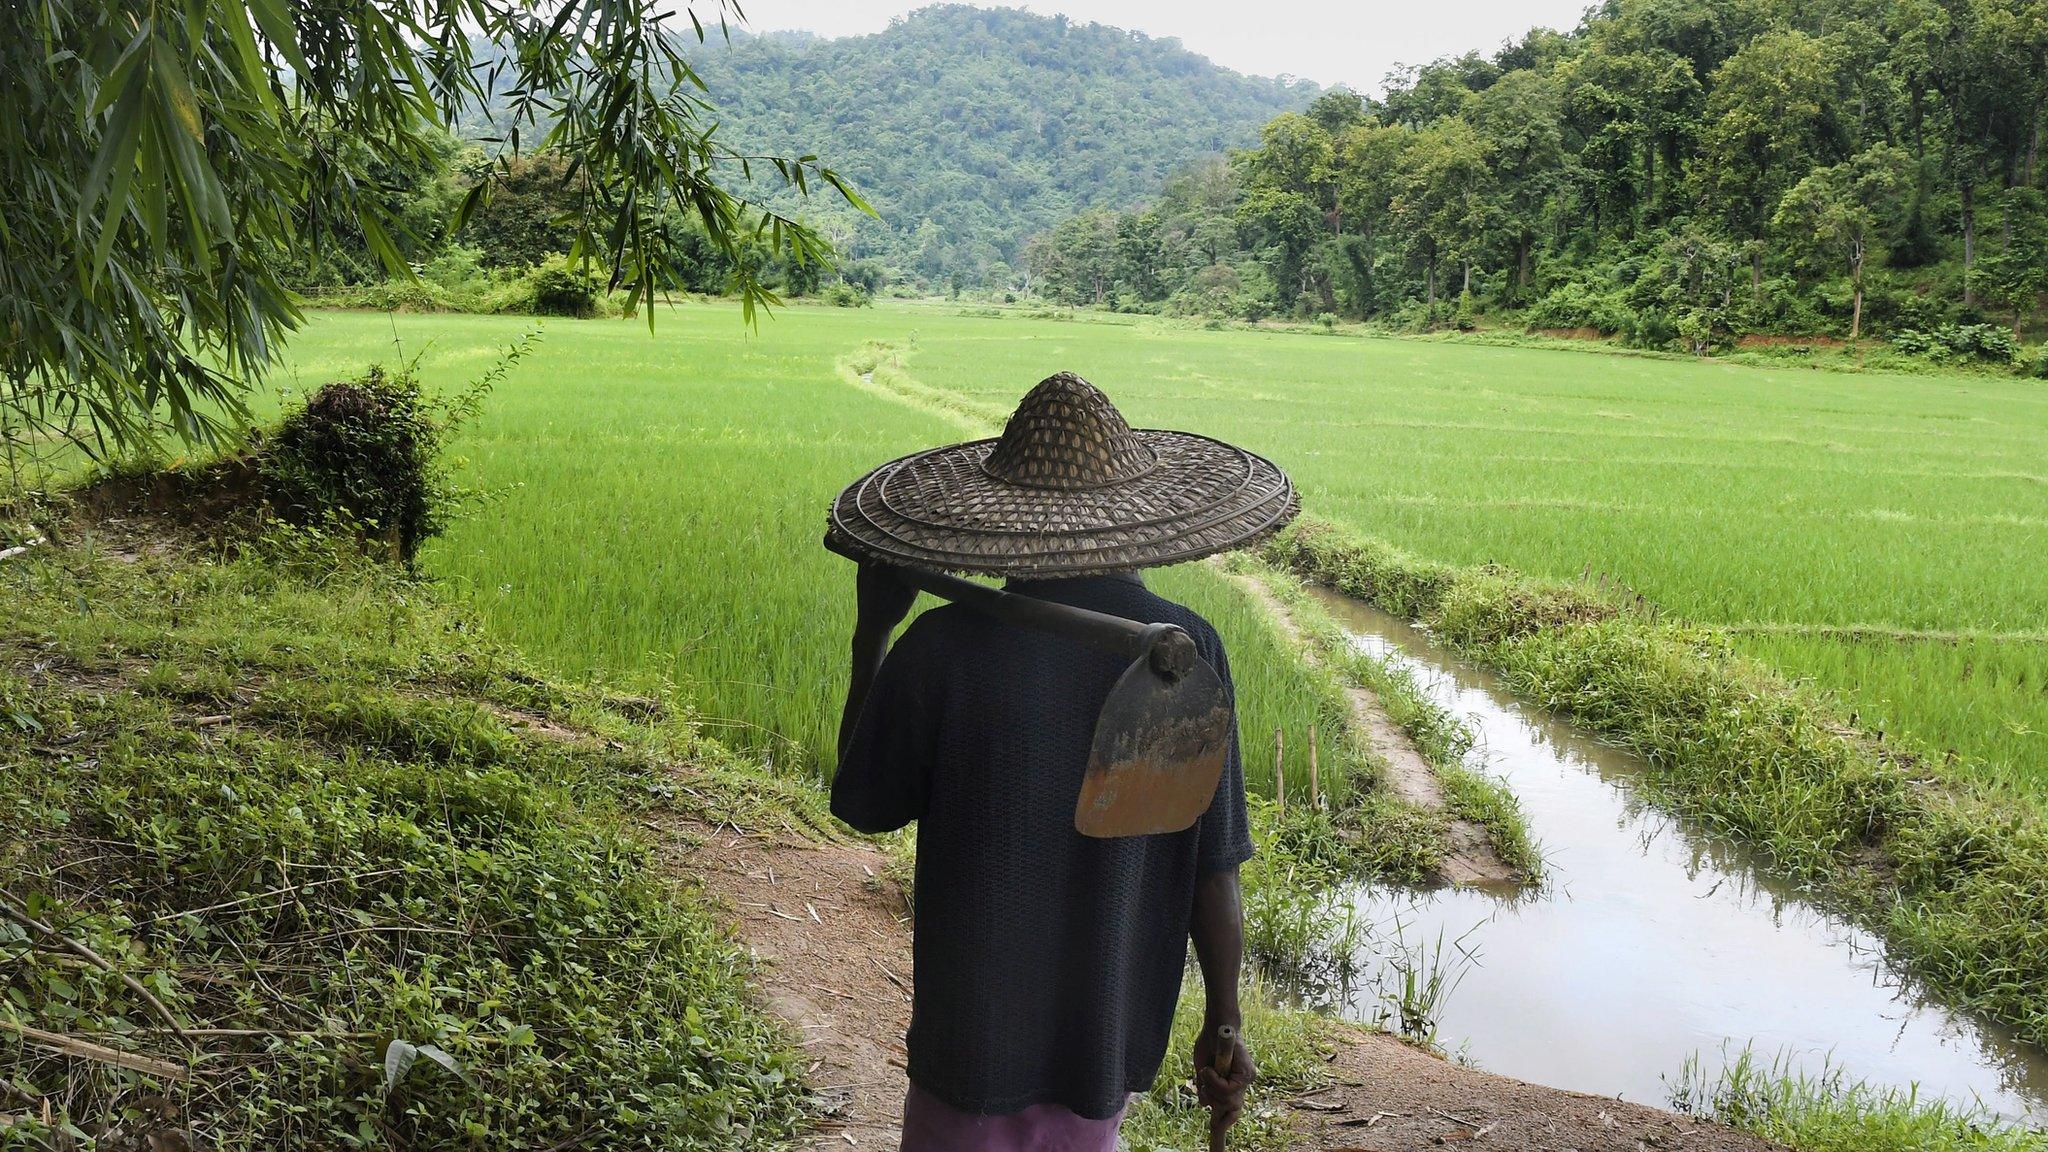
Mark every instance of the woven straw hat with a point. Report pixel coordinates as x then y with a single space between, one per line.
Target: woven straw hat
1068 489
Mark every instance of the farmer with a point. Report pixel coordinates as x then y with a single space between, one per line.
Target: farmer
1048 963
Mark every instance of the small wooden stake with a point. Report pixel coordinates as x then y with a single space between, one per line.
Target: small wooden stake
1315 785
1280 770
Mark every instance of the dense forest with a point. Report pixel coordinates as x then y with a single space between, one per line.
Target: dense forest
1676 172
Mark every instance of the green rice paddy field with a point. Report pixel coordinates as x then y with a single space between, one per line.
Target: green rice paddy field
661 498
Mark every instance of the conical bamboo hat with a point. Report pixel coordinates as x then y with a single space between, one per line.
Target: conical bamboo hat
1068 489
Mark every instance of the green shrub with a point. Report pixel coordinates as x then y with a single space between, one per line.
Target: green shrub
362 450
559 286
841 294
1981 342
1466 317
392 296
364 454
1575 304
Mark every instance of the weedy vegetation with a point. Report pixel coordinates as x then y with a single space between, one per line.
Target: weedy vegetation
365 878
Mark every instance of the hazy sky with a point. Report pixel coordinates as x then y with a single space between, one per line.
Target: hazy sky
1326 41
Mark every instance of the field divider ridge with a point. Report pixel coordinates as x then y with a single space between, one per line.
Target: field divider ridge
1417 751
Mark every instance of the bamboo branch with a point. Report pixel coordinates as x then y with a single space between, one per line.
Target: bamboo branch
86 1050
24 546
20 915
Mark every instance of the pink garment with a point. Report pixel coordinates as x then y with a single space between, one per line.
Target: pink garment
932 1125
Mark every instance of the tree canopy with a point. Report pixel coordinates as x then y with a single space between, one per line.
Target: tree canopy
975 129
165 169
1677 172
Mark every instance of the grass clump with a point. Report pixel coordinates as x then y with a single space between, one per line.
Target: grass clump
1827 1113
329 826
1951 875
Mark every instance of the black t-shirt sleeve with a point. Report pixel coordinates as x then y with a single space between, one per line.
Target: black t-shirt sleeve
884 778
1225 830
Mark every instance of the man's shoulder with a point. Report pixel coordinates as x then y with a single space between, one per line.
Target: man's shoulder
930 632
1166 611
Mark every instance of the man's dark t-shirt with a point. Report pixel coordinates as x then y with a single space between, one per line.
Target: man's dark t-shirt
1048 962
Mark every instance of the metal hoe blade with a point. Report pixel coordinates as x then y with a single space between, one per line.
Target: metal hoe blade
1159 744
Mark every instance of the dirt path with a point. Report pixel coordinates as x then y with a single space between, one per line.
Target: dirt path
834 936
1469 857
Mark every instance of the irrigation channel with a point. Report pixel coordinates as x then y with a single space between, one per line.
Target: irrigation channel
1652 941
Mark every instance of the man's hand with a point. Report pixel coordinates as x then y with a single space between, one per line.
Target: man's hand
883 599
1222 1094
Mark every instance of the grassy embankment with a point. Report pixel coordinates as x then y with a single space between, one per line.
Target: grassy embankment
314 811
1950 871
1824 1113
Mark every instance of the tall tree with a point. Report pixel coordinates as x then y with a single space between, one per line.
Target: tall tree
164 168
1368 177
1288 195
1445 199
1769 117
2018 274
1844 210
1520 122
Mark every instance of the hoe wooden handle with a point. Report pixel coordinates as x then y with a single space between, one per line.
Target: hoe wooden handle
1171 649
1226 1048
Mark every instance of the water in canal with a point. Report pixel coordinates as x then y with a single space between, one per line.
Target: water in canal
1652 941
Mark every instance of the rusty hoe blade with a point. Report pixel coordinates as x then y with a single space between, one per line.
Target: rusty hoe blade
1163 732
1159 743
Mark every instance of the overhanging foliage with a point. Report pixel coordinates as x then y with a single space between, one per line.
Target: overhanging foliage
164 166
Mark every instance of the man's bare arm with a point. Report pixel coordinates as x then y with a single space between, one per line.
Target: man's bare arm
1218 931
883 603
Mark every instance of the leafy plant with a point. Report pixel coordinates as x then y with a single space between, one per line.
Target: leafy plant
1985 342
562 288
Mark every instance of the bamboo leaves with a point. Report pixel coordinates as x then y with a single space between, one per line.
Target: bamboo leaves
166 171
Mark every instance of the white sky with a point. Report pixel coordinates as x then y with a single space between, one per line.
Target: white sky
1326 41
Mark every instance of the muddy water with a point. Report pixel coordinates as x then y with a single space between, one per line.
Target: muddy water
1653 941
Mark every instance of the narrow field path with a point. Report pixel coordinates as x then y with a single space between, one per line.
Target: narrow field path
1469 857
832 932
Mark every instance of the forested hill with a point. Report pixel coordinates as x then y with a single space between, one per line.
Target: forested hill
1681 173
973 129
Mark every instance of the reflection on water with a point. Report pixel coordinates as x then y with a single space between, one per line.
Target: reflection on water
1652 940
